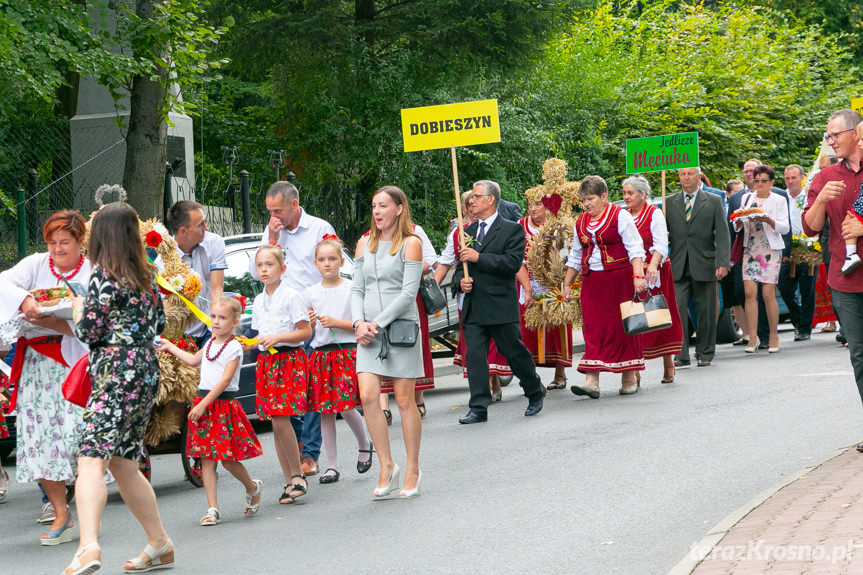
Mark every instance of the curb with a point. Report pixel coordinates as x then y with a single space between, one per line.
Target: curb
721 529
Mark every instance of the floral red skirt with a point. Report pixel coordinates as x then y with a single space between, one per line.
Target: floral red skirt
281 381
223 433
4 430
333 381
823 299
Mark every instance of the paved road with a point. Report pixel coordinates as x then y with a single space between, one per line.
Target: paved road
618 485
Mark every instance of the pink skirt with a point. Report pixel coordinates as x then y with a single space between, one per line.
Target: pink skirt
607 347
665 341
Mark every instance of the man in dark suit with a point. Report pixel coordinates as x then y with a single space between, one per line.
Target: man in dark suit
699 246
490 309
509 210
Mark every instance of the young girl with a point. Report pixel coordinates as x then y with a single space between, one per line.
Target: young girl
281 378
218 427
332 366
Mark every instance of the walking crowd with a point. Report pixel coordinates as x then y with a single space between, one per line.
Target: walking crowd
333 347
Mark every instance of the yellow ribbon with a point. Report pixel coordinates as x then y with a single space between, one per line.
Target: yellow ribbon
163 283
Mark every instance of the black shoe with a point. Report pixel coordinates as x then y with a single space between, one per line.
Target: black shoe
329 478
841 339
763 345
534 405
703 363
860 447
474 417
741 341
681 362
363 466
802 337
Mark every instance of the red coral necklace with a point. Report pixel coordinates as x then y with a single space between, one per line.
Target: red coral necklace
68 276
221 349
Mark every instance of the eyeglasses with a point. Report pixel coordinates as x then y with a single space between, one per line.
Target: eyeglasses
760 180
828 137
475 196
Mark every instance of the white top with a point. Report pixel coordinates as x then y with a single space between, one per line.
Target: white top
278 313
334 302
429 253
796 215
207 256
659 231
628 233
212 371
776 208
299 245
33 273
447 256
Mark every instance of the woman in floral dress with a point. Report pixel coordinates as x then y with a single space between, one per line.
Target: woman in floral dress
119 320
49 426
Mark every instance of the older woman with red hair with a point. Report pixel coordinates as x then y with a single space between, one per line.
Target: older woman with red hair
49 427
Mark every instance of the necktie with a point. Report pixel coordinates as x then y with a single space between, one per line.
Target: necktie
688 208
481 235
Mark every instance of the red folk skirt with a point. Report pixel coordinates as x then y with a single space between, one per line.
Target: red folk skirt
333 381
558 343
497 364
223 433
281 382
4 430
823 299
427 380
665 341
607 347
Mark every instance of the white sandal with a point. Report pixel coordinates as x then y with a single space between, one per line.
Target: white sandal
213 517
158 558
76 567
251 510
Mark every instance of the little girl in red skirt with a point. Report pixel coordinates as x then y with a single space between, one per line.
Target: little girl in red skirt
218 427
332 365
282 322
4 433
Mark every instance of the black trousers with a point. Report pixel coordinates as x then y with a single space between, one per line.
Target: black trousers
508 339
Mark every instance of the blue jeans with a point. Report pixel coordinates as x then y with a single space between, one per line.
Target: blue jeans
308 427
849 308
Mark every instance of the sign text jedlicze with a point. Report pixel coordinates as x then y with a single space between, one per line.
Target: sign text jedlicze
658 153
450 125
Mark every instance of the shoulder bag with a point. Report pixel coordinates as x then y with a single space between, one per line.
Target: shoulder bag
433 297
399 333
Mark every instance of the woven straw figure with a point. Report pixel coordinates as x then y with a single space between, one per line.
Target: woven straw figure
547 251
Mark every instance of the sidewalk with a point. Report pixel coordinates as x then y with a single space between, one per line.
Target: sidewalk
810 523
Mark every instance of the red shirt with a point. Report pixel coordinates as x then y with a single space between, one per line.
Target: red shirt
836 212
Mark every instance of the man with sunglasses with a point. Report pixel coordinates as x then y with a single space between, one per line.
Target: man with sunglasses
833 191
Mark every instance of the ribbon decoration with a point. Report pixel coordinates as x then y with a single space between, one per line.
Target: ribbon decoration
163 283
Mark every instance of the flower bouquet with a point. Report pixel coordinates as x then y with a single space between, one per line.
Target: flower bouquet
805 250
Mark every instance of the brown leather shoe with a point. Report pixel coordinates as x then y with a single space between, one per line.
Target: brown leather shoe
310 466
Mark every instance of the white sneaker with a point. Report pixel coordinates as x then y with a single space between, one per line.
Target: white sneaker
48 515
851 263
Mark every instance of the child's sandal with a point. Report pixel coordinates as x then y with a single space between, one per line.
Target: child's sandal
250 509
299 489
211 518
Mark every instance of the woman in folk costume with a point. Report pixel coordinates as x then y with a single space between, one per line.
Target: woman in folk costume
609 253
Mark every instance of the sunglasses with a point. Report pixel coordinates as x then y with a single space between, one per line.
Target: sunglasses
761 180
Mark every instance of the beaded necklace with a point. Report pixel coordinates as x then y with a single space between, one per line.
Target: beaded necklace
221 349
71 274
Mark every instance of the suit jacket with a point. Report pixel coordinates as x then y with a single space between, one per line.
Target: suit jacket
703 241
493 299
509 210
734 203
716 191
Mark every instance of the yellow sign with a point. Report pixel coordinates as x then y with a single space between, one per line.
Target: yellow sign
857 105
450 125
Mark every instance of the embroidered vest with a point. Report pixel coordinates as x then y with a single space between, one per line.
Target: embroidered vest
643 226
612 252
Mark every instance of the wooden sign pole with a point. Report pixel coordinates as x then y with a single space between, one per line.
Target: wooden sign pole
461 235
663 192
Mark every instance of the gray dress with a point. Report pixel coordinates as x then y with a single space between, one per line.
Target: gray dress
395 286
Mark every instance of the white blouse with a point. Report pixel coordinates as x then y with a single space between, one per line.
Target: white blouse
628 233
278 313
334 302
33 273
213 371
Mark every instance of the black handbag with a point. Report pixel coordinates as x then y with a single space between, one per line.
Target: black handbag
433 297
643 316
400 332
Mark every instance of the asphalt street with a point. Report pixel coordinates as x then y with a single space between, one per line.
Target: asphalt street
616 485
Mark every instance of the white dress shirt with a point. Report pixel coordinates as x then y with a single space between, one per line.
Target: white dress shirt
628 233
299 245
279 313
334 302
207 256
796 215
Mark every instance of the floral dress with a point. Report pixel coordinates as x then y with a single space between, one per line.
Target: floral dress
120 324
761 263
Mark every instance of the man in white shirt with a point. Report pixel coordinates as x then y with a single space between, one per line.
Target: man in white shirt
204 252
801 312
298 233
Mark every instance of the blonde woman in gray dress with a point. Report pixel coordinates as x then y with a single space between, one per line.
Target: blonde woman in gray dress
386 279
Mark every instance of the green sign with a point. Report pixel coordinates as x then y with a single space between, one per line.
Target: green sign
659 153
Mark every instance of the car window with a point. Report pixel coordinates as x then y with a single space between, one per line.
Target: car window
237 277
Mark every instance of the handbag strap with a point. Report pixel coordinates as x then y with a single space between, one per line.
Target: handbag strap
382 355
